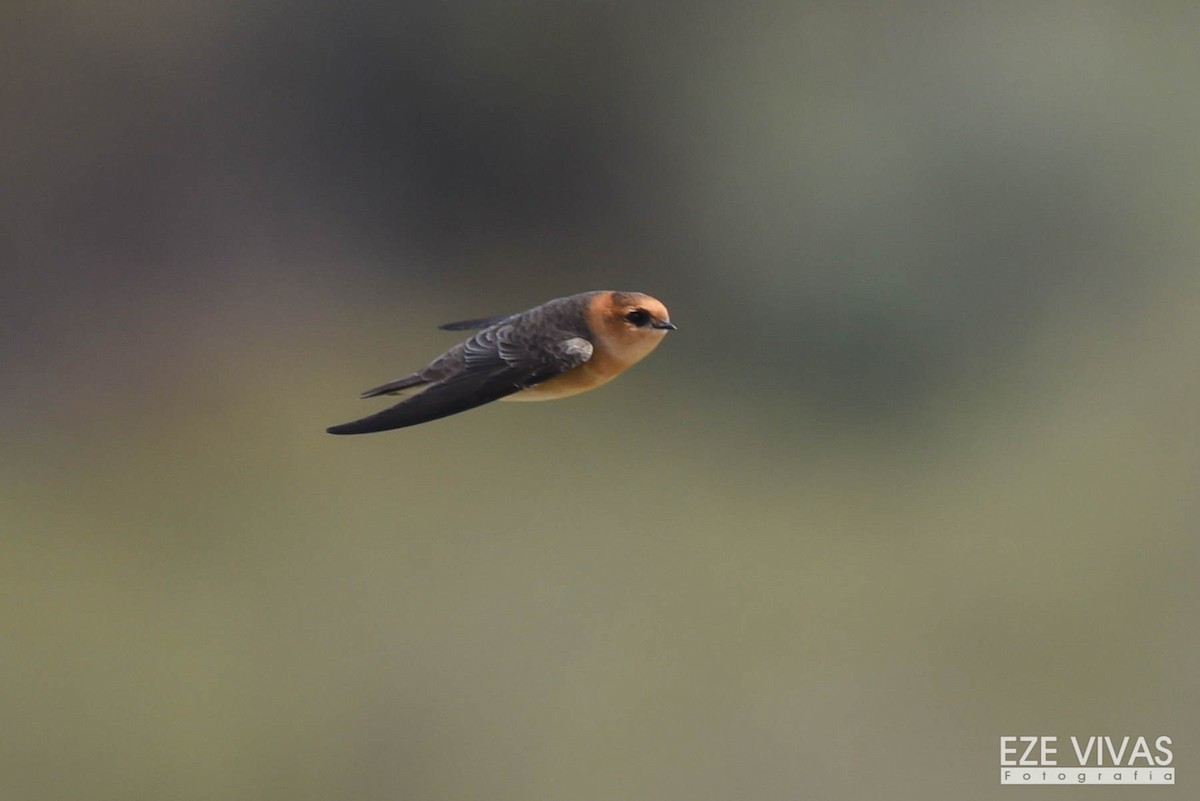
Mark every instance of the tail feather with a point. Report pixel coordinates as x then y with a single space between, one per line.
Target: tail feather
396 387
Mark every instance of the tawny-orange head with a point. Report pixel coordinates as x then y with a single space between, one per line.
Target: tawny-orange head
627 325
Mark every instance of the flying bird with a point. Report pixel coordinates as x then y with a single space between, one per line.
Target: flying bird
561 348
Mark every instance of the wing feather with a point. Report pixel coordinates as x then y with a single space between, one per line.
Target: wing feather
482 322
494 363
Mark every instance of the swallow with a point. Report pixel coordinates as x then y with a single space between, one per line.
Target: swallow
559 349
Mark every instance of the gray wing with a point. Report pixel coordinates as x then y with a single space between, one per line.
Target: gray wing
496 362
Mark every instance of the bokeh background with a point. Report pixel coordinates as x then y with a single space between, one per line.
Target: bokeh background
918 470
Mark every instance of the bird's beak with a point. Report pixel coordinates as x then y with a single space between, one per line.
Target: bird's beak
665 325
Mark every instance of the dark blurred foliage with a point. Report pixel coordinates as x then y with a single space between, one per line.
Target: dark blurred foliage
890 197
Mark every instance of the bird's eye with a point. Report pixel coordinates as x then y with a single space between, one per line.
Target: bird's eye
638 317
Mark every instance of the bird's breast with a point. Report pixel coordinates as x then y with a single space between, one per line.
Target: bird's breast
574 381
607 363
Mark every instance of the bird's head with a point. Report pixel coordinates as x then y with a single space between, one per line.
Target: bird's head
631 323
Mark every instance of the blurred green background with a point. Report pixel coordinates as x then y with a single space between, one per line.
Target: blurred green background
919 469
